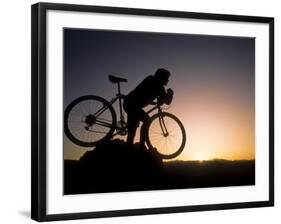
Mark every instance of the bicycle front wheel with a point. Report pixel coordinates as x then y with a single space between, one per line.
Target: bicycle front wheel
166 134
89 120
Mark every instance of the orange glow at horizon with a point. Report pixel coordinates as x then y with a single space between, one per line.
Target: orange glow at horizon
216 127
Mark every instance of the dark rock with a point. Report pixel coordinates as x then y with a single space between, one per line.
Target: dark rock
113 166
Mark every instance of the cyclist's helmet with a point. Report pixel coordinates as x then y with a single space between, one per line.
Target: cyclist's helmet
162 75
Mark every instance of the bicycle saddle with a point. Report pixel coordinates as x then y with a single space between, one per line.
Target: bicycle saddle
115 79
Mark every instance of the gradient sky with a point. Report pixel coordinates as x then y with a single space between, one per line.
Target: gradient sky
213 78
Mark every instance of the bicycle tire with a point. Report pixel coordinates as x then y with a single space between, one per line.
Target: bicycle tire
71 107
149 141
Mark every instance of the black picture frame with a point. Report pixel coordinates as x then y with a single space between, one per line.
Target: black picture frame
39 107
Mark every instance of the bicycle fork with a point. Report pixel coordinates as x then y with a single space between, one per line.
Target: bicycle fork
163 127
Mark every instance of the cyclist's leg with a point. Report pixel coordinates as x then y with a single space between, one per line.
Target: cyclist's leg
130 122
133 123
144 118
131 133
135 114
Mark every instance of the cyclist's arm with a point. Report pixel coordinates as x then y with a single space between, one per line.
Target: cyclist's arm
162 95
167 97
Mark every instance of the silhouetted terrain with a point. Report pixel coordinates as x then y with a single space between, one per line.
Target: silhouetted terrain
113 167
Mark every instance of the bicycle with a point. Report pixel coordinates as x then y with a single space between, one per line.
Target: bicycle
90 120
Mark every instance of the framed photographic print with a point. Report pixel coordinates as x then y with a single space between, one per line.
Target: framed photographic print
138 111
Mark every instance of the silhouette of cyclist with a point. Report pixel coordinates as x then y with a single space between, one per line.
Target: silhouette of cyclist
151 88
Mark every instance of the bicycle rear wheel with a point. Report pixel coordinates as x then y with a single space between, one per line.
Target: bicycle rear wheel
89 120
166 134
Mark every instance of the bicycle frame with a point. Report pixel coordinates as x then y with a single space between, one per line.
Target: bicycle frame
124 124
123 127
